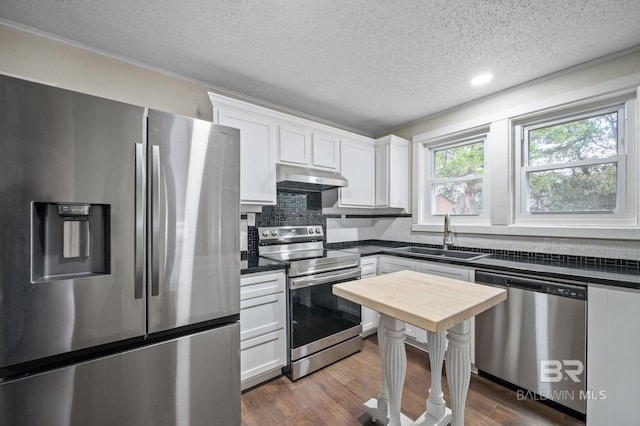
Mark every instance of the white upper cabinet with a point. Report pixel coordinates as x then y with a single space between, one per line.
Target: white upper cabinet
357 164
257 155
257 150
326 151
377 171
392 172
308 147
294 146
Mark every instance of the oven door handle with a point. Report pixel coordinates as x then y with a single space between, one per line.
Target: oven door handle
308 281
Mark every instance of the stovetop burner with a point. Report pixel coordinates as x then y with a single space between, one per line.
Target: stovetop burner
305 255
302 248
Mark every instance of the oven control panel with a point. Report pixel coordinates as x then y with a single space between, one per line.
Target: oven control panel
290 233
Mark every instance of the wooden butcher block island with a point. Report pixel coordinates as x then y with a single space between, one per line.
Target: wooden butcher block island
438 305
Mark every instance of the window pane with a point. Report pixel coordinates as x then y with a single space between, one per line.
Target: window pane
459 161
595 137
577 189
458 197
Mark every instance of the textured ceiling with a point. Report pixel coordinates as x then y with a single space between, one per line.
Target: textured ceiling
367 65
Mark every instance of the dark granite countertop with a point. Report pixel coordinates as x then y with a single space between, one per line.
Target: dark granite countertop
613 275
253 264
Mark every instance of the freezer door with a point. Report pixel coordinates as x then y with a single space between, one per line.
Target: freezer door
66 285
194 237
193 380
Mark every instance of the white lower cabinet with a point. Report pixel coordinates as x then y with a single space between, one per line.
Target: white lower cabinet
369 317
613 345
447 271
262 327
388 264
455 273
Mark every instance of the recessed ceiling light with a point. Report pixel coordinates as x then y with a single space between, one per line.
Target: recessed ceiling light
481 79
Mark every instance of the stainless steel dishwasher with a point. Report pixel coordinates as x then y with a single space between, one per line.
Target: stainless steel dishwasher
536 339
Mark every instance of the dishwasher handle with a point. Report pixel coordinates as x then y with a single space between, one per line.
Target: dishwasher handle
524 286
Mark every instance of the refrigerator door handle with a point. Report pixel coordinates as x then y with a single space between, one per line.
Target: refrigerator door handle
140 222
155 220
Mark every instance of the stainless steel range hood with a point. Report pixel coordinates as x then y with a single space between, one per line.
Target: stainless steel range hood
308 179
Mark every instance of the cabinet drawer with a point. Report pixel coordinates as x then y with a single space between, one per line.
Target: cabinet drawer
261 285
369 267
261 315
262 354
393 264
453 272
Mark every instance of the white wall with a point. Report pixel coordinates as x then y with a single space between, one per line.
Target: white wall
528 94
399 229
38 58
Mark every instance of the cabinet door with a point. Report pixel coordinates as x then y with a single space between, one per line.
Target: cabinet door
382 175
262 315
456 273
369 267
294 145
262 358
613 344
392 177
326 152
390 264
257 155
262 304
357 164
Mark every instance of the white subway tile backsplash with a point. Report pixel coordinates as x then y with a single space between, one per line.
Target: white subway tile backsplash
399 229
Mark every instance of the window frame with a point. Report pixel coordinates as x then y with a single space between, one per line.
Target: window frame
625 212
432 180
502 175
424 159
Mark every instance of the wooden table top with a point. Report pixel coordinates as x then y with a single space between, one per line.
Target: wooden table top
427 301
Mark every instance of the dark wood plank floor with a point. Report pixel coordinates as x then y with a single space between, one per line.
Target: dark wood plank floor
334 396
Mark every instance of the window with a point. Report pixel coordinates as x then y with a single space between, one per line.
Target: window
566 166
574 164
456 178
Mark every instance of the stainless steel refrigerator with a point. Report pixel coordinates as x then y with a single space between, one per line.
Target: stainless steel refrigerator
119 263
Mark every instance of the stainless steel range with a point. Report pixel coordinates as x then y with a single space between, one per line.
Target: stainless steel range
322 327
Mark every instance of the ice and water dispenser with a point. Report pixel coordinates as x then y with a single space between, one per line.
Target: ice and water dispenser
70 240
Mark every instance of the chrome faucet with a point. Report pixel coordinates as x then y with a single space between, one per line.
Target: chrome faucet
447 238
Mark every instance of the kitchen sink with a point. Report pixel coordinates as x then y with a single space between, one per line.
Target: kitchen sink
427 252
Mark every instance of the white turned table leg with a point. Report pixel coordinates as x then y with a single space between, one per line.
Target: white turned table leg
378 408
395 366
386 408
437 413
383 397
459 369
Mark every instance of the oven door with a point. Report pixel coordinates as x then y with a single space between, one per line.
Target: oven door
319 318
